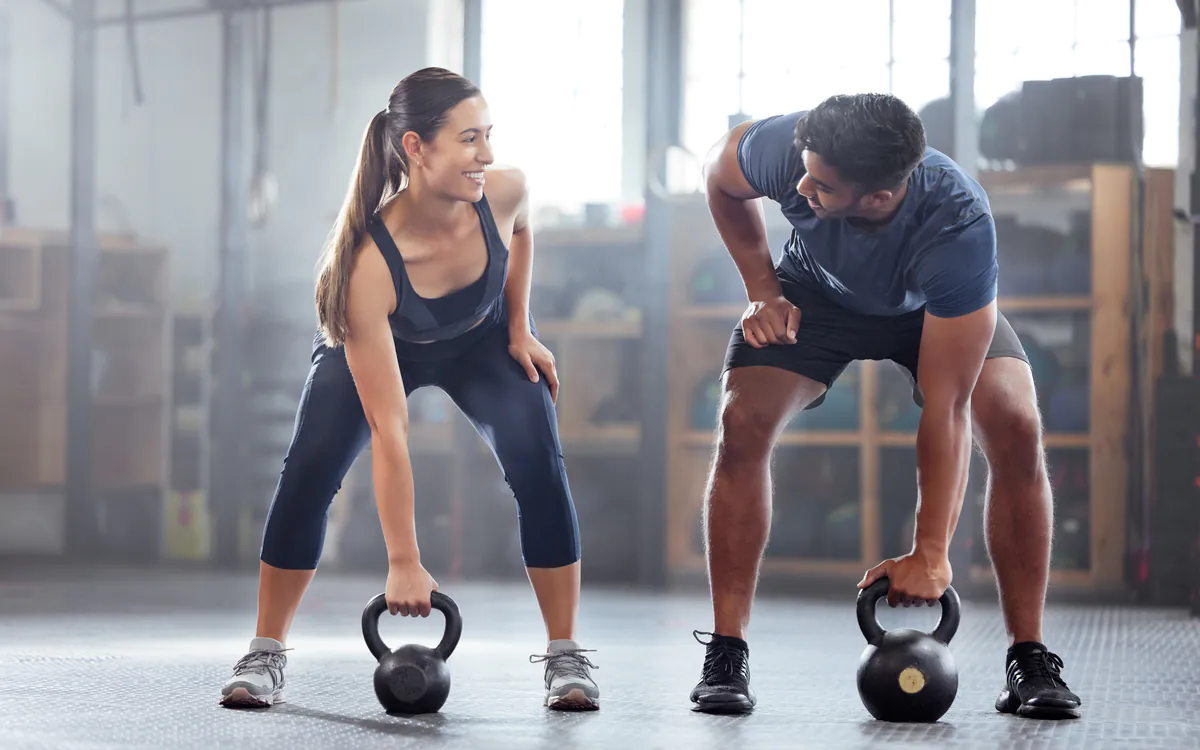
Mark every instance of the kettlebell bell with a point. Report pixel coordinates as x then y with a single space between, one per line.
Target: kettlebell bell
905 675
412 679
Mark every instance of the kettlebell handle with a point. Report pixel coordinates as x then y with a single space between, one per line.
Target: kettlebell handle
439 601
868 623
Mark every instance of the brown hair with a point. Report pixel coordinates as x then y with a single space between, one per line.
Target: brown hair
419 103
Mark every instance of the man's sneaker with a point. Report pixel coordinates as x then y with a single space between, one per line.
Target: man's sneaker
1035 686
257 677
724 686
569 685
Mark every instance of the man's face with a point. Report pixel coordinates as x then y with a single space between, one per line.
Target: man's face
828 196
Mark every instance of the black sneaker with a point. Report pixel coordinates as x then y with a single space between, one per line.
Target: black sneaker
724 687
1035 686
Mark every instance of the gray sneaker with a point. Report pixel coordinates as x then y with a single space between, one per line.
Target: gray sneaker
257 677
569 686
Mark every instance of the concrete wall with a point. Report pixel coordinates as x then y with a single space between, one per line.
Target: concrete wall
158 167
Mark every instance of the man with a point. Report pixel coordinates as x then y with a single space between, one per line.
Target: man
892 256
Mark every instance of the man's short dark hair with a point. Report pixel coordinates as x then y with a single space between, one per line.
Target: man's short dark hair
873 140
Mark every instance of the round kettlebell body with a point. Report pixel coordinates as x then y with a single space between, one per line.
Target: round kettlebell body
412 679
905 675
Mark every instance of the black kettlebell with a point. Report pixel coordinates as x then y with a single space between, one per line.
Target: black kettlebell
412 679
906 675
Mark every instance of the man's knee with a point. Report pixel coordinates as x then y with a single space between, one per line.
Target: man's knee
1012 442
746 431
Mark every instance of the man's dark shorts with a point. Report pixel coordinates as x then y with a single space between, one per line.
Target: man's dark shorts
830 337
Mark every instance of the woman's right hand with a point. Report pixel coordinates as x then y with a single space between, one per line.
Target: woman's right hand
408 589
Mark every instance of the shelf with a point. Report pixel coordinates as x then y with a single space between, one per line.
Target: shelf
616 438
793 566
1073 579
602 437
131 312
130 400
1050 440
20 278
714 312
588 237
591 329
1030 179
800 565
704 438
1044 304
191 418
1059 577
733 313
59 238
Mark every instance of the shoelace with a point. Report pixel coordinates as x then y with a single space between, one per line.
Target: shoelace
569 661
258 662
722 660
1040 666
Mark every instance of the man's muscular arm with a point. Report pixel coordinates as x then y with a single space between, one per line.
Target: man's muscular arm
739 219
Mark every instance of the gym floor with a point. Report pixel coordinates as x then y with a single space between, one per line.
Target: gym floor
119 658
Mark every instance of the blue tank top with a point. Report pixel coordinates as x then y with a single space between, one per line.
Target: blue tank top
417 318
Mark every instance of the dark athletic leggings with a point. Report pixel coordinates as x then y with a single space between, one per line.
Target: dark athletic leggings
513 415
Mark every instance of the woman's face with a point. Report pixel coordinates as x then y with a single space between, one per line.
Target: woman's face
453 162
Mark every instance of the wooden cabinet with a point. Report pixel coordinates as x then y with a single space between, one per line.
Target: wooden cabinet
130 390
130 374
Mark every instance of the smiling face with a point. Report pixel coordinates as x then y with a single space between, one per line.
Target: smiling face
453 162
828 195
831 196
858 151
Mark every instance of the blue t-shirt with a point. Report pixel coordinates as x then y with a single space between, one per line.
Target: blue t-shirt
938 251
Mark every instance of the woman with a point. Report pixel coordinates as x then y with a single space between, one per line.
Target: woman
425 281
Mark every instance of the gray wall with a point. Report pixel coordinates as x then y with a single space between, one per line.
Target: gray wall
158 166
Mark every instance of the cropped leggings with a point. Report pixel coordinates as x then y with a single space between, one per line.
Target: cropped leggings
513 415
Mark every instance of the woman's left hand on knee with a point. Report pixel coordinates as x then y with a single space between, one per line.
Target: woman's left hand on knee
535 358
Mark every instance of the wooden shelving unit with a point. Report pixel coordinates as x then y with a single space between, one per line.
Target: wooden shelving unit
586 338
187 523
840 505
593 325
131 386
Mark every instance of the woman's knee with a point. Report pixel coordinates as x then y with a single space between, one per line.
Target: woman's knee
550 540
292 538
320 455
549 524
295 527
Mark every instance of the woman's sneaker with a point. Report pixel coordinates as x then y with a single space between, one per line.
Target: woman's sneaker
569 685
257 679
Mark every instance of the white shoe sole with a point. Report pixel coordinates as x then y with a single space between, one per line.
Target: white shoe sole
242 698
576 700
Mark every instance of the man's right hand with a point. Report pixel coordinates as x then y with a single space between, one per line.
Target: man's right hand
408 589
773 320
